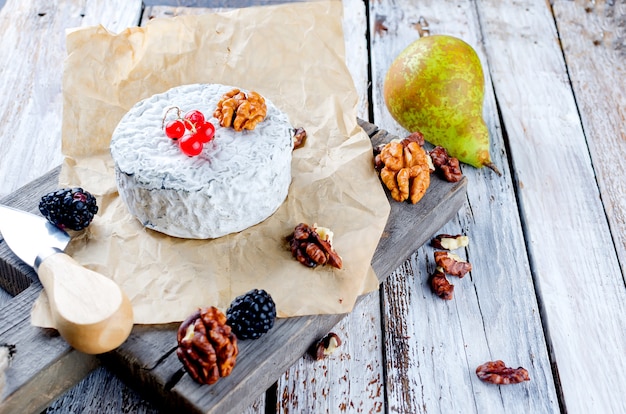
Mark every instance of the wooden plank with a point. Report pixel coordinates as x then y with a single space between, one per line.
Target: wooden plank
592 36
350 379
434 346
101 392
32 41
580 285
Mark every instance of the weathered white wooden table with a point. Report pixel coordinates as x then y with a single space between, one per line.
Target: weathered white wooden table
547 239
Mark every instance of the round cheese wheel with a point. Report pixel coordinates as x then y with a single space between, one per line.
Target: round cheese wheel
238 180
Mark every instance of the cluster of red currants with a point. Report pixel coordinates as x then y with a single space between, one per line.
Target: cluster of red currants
190 131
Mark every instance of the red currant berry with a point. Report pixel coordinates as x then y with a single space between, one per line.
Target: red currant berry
195 117
205 132
175 129
190 146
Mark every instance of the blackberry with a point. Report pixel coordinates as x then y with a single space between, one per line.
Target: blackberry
252 314
69 208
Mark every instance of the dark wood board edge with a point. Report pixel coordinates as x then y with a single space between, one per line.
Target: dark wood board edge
16 275
259 364
147 360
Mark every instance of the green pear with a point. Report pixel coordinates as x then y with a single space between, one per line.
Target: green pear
436 86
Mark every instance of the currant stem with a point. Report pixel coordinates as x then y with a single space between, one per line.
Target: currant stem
167 112
193 126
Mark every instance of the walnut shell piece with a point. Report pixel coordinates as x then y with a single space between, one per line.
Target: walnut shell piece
206 346
404 169
312 246
240 110
496 372
452 264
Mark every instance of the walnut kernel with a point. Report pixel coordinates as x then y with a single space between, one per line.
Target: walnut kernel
206 346
496 372
240 110
405 170
449 242
299 138
440 285
312 246
452 264
416 137
325 346
448 166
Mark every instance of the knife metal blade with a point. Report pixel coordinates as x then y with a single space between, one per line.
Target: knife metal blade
29 235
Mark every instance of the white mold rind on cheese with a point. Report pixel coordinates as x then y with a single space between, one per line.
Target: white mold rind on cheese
239 179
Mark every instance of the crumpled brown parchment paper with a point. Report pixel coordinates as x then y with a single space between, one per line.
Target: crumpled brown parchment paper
292 54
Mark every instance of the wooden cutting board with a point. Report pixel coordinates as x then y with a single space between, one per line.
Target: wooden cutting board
44 366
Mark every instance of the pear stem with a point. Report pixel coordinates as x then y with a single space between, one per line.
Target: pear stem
493 167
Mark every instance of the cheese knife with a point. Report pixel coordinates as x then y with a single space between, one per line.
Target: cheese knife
90 311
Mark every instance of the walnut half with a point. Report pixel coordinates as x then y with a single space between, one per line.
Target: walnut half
206 346
312 246
404 169
240 110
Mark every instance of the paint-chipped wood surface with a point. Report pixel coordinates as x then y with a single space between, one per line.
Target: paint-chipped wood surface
547 240
548 204
32 51
494 314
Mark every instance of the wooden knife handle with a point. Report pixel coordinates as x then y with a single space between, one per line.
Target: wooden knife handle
90 311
